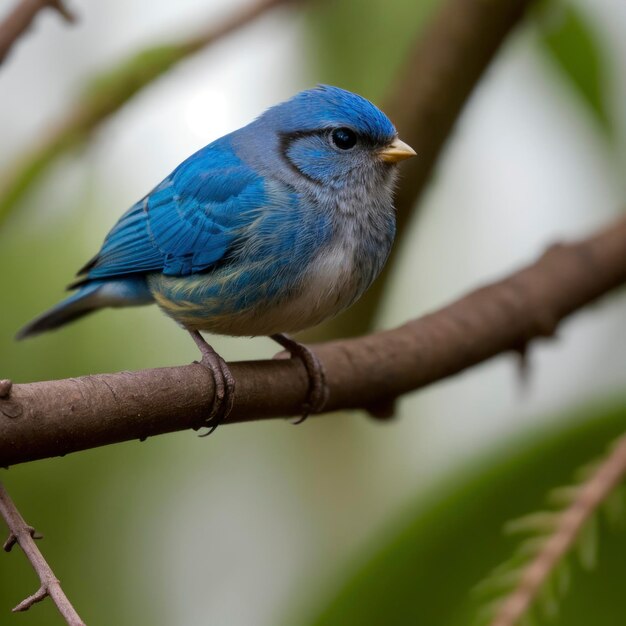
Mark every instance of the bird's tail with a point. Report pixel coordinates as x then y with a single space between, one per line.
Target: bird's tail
88 298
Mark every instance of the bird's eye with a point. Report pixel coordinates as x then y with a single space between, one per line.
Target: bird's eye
343 138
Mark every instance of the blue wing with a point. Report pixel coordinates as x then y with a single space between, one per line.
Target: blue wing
188 222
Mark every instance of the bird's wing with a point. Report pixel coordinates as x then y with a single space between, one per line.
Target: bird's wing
187 223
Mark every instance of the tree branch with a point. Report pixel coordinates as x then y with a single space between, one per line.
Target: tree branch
23 534
567 528
44 419
440 73
109 92
18 21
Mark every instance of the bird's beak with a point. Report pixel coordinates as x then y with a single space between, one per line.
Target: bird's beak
396 151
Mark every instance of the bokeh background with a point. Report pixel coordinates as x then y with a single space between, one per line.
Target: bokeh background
342 520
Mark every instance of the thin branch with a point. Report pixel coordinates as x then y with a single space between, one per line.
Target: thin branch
24 535
19 20
446 63
44 419
109 91
609 474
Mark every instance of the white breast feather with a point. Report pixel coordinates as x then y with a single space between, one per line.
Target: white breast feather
326 288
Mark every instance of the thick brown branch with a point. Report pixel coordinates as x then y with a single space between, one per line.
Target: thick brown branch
18 21
23 534
440 73
52 418
590 496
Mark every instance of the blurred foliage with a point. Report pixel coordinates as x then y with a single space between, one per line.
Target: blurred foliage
360 45
104 95
427 566
535 530
571 42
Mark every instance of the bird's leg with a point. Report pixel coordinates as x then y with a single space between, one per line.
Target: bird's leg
224 382
318 389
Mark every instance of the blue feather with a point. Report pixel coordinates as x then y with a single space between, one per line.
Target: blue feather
326 107
90 297
188 222
269 229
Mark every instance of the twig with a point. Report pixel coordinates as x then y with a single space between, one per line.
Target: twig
18 21
109 92
44 419
24 535
447 61
567 529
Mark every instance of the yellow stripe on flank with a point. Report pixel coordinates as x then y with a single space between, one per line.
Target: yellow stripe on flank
178 306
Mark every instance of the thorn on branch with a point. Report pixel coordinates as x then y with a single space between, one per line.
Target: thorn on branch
9 543
382 410
523 365
38 596
13 539
24 535
5 388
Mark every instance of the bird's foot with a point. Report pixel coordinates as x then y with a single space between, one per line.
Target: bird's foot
224 383
318 388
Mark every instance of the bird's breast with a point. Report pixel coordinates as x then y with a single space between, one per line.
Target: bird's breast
331 283
288 297
335 278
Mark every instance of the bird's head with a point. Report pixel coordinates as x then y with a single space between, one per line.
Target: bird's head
333 137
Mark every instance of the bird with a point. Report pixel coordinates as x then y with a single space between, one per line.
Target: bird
268 230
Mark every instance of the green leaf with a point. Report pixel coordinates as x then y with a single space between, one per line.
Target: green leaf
426 566
573 46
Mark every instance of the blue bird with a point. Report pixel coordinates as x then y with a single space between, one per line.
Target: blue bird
268 230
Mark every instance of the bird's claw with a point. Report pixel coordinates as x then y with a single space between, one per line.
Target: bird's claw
318 388
224 390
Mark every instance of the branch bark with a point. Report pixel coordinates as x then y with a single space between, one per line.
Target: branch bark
44 419
17 22
447 61
24 535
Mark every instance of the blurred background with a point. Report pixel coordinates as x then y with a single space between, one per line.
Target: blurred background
266 524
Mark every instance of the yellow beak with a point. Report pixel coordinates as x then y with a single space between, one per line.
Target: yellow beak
396 151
